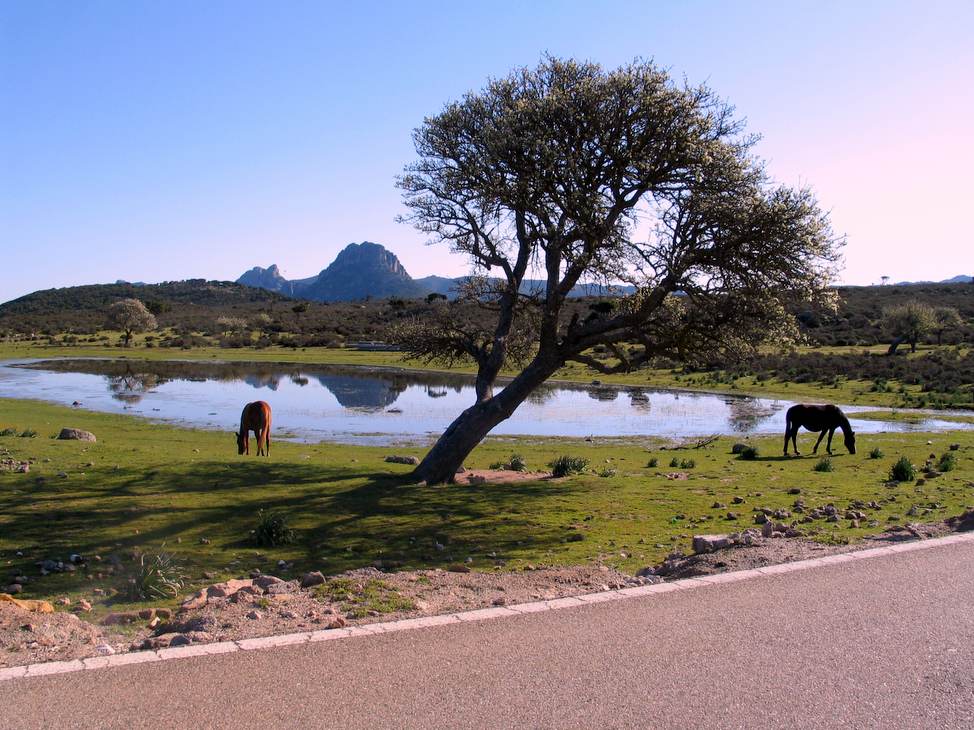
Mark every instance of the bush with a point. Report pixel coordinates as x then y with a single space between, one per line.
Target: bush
272 529
518 463
564 466
876 453
653 463
155 578
948 462
607 472
674 463
749 453
8 432
688 464
28 434
824 464
903 471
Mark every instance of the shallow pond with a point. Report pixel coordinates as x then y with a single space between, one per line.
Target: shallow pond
385 406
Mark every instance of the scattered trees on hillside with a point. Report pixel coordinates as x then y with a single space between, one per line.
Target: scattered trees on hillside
553 167
130 316
947 319
909 322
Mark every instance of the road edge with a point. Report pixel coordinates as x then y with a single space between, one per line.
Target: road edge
481 614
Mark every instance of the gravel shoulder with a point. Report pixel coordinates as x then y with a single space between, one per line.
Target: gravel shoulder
265 605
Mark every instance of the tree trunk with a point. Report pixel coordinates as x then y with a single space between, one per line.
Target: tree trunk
469 429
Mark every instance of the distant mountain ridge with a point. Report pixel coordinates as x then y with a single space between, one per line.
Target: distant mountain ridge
369 270
961 279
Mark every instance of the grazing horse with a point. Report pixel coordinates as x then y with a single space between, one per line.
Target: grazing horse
256 417
818 418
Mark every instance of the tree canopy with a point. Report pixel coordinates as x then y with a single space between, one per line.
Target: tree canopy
130 315
584 174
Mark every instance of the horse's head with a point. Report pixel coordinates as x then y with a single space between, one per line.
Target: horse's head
240 443
850 441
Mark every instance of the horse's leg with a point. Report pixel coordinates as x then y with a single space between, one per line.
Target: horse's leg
247 442
820 437
787 434
267 440
828 447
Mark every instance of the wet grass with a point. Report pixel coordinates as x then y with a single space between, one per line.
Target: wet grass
147 489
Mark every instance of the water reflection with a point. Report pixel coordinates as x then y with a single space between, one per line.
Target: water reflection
380 406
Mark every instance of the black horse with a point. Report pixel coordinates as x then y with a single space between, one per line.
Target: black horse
818 418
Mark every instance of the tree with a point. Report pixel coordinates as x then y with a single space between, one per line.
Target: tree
552 168
947 318
130 315
908 322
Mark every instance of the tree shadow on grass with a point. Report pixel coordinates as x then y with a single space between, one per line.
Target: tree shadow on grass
343 518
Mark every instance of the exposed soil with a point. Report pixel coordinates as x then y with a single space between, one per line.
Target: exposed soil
369 595
500 476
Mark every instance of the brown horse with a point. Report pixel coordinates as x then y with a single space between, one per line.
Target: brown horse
256 417
818 418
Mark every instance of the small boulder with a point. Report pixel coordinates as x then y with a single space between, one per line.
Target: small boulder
710 543
266 581
313 578
402 460
76 434
738 448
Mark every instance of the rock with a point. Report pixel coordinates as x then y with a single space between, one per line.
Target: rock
767 529
120 618
760 518
738 448
197 600
164 613
313 578
254 615
458 568
337 622
82 605
266 581
718 505
76 434
710 543
27 604
738 500
954 447
228 588
732 515
14 588
402 460
282 588
794 490
62 601
105 649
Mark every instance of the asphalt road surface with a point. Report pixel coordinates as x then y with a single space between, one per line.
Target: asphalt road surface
884 642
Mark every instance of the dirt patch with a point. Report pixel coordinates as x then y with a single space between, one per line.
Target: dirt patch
500 476
27 637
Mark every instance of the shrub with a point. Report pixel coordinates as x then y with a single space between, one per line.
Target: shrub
8 432
272 529
28 434
876 453
155 578
688 464
607 472
903 471
824 464
515 463
749 453
653 463
948 462
674 462
564 466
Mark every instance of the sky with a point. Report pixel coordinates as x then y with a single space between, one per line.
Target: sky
155 141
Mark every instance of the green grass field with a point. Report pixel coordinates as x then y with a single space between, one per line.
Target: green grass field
145 488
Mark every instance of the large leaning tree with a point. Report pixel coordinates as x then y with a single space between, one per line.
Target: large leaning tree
571 173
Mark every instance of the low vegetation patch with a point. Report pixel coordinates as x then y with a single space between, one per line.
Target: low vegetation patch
565 466
515 463
156 577
824 465
876 453
359 598
272 529
903 470
948 462
748 453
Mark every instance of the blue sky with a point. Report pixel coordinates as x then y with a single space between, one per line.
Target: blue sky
165 140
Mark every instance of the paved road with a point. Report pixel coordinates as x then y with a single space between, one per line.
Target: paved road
885 642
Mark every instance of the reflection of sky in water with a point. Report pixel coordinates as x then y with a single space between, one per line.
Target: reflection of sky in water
317 404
